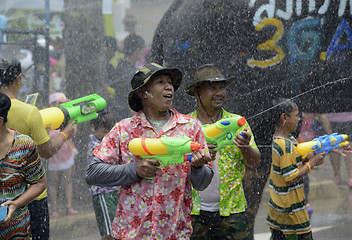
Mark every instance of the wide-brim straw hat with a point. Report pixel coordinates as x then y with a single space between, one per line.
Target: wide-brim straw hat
207 73
143 75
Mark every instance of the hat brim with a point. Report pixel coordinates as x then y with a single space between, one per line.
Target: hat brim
189 89
175 74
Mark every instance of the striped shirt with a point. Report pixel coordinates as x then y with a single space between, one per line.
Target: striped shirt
21 166
286 208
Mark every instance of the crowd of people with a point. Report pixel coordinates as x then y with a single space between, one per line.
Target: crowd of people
133 197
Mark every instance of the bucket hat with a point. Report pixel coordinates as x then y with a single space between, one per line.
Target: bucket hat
143 75
207 73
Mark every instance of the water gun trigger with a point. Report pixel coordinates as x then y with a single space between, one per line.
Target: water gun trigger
243 135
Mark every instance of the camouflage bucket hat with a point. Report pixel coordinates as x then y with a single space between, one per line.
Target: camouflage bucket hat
9 70
207 73
143 75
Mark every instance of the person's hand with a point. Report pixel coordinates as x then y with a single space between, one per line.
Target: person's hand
342 150
70 129
146 168
243 139
199 158
11 208
212 152
316 159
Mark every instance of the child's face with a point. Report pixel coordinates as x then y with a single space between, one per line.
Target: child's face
101 132
293 119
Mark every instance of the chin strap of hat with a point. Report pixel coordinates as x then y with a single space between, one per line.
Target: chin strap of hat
200 100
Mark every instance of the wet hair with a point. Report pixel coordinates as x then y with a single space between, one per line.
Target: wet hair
282 105
104 119
5 104
131 43
110 42
9 70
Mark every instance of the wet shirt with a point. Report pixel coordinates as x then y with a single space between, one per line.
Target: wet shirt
231 172
20 166
26 119
286 208
159 208
94 143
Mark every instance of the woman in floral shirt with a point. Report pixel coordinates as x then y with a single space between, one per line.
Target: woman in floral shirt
160 207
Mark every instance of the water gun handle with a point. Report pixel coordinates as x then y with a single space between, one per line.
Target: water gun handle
164 159
243 135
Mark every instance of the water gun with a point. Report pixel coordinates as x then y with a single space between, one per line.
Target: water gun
166 150
323 143
79 110
223 131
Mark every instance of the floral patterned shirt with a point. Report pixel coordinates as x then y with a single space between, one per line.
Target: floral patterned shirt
158 208
232 169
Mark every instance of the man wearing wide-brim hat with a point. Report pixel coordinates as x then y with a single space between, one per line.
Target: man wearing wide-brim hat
153 202
219 210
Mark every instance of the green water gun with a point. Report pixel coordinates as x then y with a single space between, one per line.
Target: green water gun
80 110
166 150
222 132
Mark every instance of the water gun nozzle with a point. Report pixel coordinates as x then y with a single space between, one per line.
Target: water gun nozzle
195 146
241 122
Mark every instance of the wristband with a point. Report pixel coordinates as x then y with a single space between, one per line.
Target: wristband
64 134
309 167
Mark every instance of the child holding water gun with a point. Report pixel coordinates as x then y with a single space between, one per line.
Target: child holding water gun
105 199
287 214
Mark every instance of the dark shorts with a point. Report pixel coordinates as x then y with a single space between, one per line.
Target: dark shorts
278 235
210 225
39 222
104 205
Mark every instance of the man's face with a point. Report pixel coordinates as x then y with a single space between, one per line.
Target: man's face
158 93
212 94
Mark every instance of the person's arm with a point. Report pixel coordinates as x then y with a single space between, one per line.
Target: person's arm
29 195
100 173
313 160
49 148
326 123
250 155
201 171
201 177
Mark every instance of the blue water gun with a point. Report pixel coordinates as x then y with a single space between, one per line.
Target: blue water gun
323 143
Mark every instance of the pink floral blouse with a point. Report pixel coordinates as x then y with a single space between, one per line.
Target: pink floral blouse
159 208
